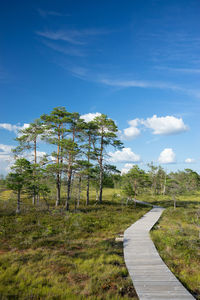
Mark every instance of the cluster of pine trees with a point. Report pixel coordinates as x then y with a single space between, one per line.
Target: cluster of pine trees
79 155
79 149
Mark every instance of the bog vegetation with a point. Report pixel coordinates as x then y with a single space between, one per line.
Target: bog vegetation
60 213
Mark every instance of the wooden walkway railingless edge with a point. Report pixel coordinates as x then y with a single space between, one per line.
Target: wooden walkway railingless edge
151 277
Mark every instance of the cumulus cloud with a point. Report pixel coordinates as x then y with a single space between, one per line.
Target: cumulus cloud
126 168
189 160
90 116
125 155
165 125
132 131
13 128
167 156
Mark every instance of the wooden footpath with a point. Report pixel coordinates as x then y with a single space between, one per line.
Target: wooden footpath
151 277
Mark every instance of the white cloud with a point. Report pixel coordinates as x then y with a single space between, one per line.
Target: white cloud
6 158
132 131
140 84
126 168
74 36
167 156
149 84
8 127
69 36
189 160
64 49
30 155
13 128
125 155
165 125
5 148
159 125
90 116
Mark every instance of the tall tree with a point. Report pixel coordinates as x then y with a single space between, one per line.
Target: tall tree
89 132
106 136
153 177
19 178
157 177
55 125
72 149
28 140
135 181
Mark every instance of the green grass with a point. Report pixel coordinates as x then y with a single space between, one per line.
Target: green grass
58 255
166 200
176 237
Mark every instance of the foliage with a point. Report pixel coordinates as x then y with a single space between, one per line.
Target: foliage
135 181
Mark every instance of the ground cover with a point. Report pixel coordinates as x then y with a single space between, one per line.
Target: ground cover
58 255
176 237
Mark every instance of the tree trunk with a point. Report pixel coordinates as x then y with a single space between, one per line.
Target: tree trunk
79 191
101 170
69 176
34 198
58 182
68 188
35 151
34 173
135 188
100 184
58 189
18 210
164 186
88 177
38 199
88 191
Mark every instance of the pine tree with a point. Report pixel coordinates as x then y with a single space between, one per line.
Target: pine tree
19 178
89 132
72 149
106 136
28 140
55 126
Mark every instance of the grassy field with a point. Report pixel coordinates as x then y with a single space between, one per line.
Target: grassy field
177 238
58 255
51 254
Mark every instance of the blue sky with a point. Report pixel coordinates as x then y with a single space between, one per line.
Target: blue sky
136 61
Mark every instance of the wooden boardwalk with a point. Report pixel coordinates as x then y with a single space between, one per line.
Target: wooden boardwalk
151 277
